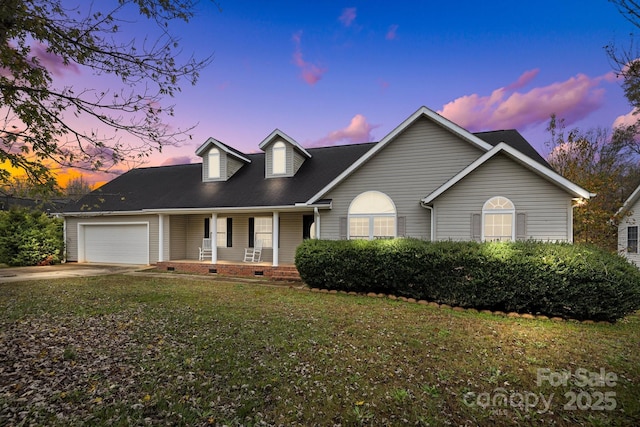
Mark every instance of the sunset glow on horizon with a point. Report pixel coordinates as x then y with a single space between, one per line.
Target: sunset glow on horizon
350 72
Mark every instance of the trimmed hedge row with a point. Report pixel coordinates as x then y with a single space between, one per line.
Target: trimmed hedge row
554 279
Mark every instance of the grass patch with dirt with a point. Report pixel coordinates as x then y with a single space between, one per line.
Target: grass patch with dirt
136 350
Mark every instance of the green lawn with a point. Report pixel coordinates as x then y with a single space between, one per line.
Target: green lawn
135 350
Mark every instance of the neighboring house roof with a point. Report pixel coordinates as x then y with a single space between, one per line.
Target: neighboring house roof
49 206
516 155
181 186
628 204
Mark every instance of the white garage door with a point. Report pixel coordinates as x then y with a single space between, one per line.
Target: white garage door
116 243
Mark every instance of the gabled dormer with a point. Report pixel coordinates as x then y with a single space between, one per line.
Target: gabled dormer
219 161
283 155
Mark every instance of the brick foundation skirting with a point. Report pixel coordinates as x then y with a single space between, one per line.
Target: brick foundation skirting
288 273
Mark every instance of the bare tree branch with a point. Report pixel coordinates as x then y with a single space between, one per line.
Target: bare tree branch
39 126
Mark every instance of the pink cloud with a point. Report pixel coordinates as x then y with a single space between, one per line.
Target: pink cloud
626 120
311 73
180 160
505 108
52 62
392 33
384 85
348 16
358 130
523 80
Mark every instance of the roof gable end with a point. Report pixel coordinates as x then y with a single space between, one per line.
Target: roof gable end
628 204
526 161
421 112
278 134
200 151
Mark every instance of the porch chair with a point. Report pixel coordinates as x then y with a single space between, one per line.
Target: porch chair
205 249
253 254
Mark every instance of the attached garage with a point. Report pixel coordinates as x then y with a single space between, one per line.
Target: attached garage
121 243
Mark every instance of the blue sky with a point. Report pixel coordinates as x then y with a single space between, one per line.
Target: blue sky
339 72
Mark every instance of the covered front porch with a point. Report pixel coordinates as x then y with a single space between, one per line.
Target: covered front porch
285 272
215 241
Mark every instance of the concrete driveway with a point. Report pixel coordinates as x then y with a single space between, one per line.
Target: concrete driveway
20 274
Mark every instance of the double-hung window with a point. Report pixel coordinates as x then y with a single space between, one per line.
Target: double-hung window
498 218
214 163
632 239
223 225
279 158
263 230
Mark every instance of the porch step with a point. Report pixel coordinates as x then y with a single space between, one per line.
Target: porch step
287 275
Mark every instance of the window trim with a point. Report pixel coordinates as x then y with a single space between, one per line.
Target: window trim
257 233
279 154
214 158
499 211
371 217
630 249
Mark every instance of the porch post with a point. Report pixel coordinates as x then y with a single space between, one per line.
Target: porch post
275 238
316 220
214 238
160 237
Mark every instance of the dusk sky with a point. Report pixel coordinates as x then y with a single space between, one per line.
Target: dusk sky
337 72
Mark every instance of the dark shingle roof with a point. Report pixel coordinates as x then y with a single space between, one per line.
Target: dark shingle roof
181 186
513 138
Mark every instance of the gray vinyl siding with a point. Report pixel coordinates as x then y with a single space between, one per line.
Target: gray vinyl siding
72 232
290 236
178 237
631 219
298 160
232 166
546 206
418 161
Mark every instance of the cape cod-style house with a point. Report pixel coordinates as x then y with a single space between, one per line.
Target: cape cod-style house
428 178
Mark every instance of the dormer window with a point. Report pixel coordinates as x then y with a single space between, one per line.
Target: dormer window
214 163
219 161
279 158
283 156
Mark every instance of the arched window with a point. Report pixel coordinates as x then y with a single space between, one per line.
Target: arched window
214 163
279 158
498 219
372 215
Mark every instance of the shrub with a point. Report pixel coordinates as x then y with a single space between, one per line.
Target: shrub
30 238
555 279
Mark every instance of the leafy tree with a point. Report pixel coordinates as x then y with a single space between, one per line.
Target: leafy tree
601 162
626 62
30 238
39 120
